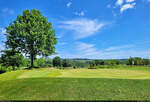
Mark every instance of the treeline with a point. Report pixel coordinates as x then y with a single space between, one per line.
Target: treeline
58 62
131 61
104 62
137 61
13 60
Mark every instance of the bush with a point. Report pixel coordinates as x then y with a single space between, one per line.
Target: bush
137 61
57 62
40 62
112 62
49 63
11 58
2 70
26 62
66 63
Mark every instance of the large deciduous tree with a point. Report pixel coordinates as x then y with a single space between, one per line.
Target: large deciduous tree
32 34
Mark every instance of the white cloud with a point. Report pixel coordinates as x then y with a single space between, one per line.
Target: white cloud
125 54
2 31
7 10
119 2
128 1
118 47
84 46
2 34
79 13
127 6
2 47
93 52
69 4
86 49
2 38
59 36
83 27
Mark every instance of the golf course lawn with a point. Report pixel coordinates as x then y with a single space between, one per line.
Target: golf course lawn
75 84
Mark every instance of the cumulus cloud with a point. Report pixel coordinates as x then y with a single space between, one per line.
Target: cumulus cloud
119 2
83 28
126 7
69 4
82 13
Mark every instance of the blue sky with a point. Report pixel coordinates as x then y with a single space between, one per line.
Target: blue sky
103 29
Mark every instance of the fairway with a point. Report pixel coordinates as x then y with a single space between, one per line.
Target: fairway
87 73
75 84
106 73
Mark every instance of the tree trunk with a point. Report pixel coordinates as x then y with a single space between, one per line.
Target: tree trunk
13 67
32 61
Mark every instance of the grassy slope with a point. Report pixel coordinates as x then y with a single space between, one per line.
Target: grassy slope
78 84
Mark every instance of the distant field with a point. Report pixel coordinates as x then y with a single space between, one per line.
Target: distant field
76 84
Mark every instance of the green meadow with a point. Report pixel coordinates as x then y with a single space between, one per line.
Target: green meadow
76 84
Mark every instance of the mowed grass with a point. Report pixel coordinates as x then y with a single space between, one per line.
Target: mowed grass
75 84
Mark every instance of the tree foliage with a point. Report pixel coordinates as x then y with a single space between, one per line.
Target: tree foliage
32 34
96 63
66 63
11 58
57 62
40 62
137 61
112 62
49 62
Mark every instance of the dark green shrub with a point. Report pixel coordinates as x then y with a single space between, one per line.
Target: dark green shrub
11 58
66 63
57 62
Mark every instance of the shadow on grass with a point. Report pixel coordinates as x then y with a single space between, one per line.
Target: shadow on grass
29 68
2 71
